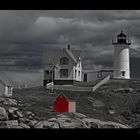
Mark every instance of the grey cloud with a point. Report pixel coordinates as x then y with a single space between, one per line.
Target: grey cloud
26 35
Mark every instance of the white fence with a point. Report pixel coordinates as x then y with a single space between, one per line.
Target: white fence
78 88
70 88
105 80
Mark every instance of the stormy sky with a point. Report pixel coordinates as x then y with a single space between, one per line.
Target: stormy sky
26 35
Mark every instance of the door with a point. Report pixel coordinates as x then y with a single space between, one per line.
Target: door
85 77
123 73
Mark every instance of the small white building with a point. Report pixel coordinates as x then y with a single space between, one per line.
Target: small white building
91 76
5 90
62 66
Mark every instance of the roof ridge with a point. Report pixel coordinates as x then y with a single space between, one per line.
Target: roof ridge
70 54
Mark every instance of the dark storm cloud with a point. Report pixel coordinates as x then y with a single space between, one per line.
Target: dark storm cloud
25 35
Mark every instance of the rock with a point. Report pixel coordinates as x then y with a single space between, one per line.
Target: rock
27 104
12 109
98 103
52 120
14 113
90 99
123 90
29 114
30 117
13 101
3 114
39 125
111 111
20 104
61 115
78 115
51 109
23 125
95 123
8 101
19 114
32 123
2 100
24 120
70 123
47 124
9 124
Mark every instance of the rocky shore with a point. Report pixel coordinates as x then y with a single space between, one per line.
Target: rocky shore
13 117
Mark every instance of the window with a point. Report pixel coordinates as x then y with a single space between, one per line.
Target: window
78 73
123 73
85 77
64 61
75 73
64 73
79 64
99 75
47 72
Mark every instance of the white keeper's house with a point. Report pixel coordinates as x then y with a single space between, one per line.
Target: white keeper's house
62 66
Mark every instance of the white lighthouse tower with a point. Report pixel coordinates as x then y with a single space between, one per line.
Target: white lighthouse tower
121 57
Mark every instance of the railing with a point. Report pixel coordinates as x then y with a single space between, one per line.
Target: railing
78 88
69 87
106 79
114 42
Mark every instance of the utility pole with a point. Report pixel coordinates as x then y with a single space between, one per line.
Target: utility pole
53 68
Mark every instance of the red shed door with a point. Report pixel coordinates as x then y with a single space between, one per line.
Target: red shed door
61 104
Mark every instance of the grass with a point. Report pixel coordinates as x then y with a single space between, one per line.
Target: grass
122 103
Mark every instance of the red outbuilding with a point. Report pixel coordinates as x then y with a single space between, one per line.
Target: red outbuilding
62 104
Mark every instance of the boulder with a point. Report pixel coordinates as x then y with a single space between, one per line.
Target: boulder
9 124
98 103
27 104
29 114
52 120
19 114
32 123
78 115
111 112
70 123
12 109
13 102
14 113
39 125
8 101
24 120
3 114
23 125
2 100
123 90
95 123
47 124
62 115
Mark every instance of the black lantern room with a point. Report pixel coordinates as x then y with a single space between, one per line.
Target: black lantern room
121 39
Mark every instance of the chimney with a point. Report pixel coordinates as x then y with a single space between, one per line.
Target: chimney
68 46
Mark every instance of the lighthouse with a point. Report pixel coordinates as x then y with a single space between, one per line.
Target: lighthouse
121 57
